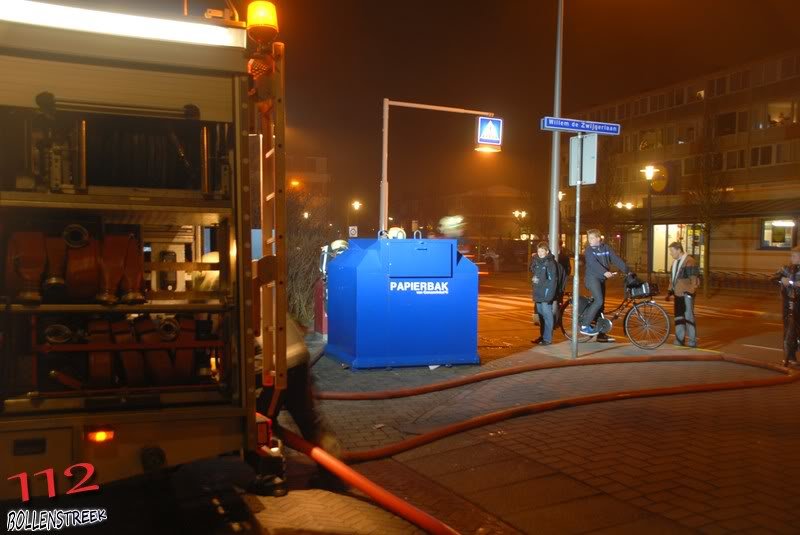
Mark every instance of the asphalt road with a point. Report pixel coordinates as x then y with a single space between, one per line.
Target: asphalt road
737 322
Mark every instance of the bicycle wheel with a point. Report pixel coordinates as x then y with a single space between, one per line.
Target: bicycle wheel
647 325
566 323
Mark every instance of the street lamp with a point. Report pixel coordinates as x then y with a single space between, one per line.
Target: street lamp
520 215
356 205
306 215
649 172
487 148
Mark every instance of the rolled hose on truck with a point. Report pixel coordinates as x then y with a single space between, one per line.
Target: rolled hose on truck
432 525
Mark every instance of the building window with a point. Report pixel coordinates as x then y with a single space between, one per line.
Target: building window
770 72
758 75
781 112
643 106
777 233
697 164
648 139
717 86
761 156
734 159
741 122
725 124
740 80
668 135
788 67
695 93
686 133
621 112
679 96
785 152
690 235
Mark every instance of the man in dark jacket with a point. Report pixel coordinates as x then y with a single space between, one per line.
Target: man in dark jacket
544 272
789 279
598 258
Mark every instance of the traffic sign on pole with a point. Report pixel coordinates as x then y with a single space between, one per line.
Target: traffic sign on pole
583 159
490 131
563 124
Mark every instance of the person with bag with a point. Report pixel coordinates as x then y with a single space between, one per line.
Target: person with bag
545 282
789 279
598 259
683 285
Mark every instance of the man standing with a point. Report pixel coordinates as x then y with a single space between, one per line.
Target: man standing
598 259
683 285
544 272
789 279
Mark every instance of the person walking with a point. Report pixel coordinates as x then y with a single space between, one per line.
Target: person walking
789 279
598 258
543 267
683 286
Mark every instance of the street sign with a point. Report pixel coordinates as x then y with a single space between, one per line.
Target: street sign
490 131
583 159
574 125
352 232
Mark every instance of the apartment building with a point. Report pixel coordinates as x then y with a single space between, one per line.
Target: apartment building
747 120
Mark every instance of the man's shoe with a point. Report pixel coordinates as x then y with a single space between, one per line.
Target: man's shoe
543 343
537 341
588 330
677 343
605 338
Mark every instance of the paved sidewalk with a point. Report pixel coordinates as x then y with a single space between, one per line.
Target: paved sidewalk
711 463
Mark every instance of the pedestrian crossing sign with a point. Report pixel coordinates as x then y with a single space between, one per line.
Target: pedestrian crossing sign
490 131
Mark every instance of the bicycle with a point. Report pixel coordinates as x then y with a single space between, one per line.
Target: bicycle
646 323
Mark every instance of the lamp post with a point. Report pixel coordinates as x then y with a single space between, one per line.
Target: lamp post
555 156
649 173
356 205
519 215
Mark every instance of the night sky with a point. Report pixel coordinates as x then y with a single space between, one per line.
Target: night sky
345 56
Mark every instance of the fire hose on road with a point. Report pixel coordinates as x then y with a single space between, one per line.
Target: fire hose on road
432 525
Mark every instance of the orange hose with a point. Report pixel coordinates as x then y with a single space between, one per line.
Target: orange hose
534 408
383 497
485 376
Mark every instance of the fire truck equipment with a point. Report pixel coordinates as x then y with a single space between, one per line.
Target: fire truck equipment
112 264
25 263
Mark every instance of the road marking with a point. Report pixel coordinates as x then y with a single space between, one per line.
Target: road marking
762 347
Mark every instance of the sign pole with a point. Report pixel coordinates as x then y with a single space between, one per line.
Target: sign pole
383 224
383 202
583 150
576 302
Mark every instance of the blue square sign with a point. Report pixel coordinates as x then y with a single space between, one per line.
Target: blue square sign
490 131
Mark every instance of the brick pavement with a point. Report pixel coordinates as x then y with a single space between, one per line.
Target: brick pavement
711 463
